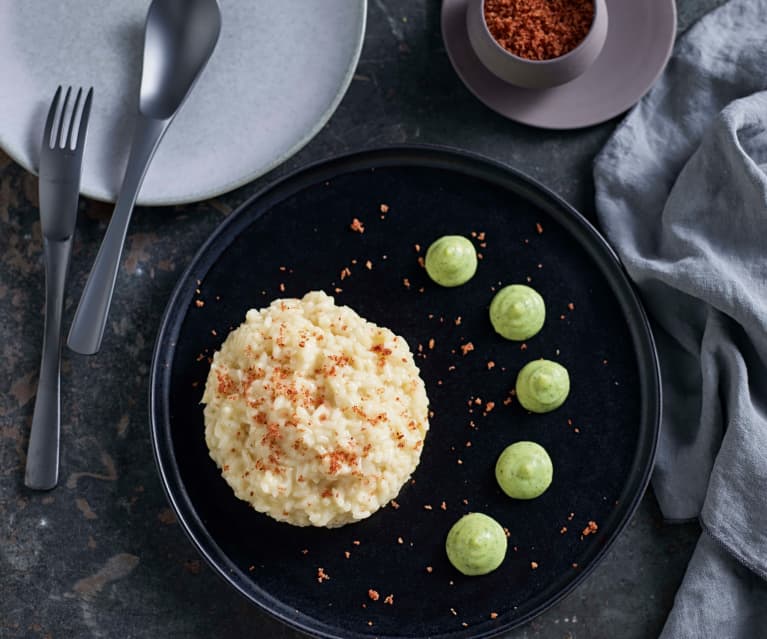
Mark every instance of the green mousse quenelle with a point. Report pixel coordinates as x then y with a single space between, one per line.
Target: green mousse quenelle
524 470
542 386
476 544
517 312
451 260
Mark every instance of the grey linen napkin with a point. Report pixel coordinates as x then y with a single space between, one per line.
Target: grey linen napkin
681 192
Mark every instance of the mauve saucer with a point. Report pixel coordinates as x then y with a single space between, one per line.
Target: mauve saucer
640 38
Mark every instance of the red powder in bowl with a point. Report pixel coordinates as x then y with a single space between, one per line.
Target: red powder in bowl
539 29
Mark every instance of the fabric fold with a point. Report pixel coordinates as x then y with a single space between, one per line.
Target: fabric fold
681 193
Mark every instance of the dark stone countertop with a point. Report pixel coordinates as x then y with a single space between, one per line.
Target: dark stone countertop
102 556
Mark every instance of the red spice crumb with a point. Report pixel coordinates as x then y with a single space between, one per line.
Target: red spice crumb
480 256
561 317
357 226
369 265
571 306
429 569
213 332
590 528
506 531
370 623
373 594
468 444
533 565
305 551
394 504
460 462
345 272
523 346
356 542
384 208
490 365
570 516
406 282
443 506
604 362
347 554
574 565
338 290
539 29
464 624
458 321
389 599
563 530
451 367
417 248
493 615
400 540
322 575
538 228
465 348
489 406
431 343
576 430
465 502
199 303
282 287
427 507
251 568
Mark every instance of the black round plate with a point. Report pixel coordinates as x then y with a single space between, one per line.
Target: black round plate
294 237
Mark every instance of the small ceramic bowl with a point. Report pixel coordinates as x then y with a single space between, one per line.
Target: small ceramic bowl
534 74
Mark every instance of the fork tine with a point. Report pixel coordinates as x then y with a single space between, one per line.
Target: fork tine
60 129
72 118
84 120
51 116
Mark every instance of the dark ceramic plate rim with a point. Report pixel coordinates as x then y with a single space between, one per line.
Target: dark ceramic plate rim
418 156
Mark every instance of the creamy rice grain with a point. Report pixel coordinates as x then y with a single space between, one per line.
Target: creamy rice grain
314 415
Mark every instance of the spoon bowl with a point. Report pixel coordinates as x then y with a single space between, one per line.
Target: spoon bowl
179 39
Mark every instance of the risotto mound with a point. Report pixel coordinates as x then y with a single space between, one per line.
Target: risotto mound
314 415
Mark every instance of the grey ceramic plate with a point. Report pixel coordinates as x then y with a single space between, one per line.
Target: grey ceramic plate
277 75
640 36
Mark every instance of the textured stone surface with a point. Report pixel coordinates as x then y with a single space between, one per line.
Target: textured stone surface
102 556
